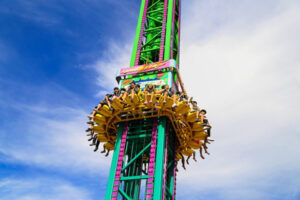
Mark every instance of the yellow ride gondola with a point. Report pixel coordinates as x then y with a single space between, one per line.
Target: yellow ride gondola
182 108
167 104
191 117
99 128
178 157
199 135
187 152
109 146
195 144
104 110
197 126
99 119
132 102
101 137
117 105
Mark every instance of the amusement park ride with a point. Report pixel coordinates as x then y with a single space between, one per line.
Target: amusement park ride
149 138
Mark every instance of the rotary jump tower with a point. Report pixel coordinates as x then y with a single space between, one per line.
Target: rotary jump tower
148 140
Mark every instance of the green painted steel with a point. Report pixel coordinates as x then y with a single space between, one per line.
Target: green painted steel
168 50
113 166
134 172
137 155
124 194
133 178
171 164
159 164
137 34
151 45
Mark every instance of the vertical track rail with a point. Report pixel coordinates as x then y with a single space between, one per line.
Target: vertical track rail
163 32
150 180
179 29
173 28
115 190
138 52
166 162
174 173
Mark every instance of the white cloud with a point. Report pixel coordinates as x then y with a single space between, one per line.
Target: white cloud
247 67
244 57
40 188
108 66
51 137
248 80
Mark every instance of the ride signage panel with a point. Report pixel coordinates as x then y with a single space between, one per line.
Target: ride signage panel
148 67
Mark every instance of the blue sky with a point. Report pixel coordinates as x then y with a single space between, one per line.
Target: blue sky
240 60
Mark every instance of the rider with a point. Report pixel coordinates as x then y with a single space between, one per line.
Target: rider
132 90
195 108
149 89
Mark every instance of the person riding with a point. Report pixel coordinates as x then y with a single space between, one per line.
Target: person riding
206 124
164 92
132 90
181 96
194 108
110 97
149 89
106 101
194 158
122 92
116 94
105 150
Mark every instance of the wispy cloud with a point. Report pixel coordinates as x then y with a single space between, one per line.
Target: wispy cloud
50 135
32 11
242 66
6 52
41 188
107 67
249 83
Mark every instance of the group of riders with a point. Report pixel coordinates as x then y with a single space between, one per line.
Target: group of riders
149 94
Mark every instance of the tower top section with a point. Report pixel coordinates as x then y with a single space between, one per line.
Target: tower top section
157 35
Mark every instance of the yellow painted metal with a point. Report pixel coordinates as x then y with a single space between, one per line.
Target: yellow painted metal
182 108
195 144
199 135
102 138
99 129
183 121
188 152
109 146
117 105
99 119
104 110
178 157
191 117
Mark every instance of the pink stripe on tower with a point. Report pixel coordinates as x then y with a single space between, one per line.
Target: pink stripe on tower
174 173
119 165
138 52
173 27
149 184
166 162
179 25
163 32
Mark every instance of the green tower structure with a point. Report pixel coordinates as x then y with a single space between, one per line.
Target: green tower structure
148 138
144 160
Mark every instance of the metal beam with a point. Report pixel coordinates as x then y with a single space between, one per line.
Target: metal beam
134 158
169 31
129 178
114 161
124 194
159 163
138 136
137 34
